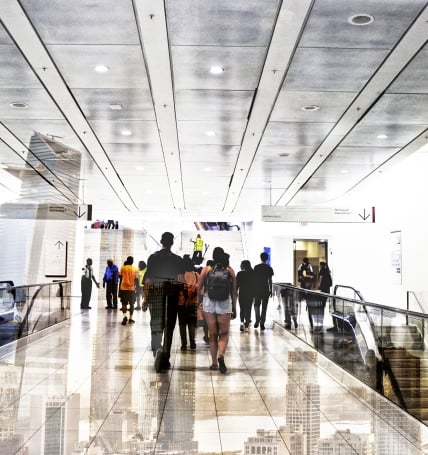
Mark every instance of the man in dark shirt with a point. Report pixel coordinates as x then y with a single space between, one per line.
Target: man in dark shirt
263 289
162 282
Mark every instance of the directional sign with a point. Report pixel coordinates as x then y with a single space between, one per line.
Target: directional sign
46 211
318 214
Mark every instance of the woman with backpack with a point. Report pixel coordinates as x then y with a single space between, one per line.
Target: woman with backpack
219 305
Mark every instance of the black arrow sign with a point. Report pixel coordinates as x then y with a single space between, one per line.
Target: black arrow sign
79 215
364 216
59 243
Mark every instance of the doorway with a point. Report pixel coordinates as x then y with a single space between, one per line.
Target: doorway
315 250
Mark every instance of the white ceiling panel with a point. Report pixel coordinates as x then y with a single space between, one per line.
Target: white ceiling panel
304 106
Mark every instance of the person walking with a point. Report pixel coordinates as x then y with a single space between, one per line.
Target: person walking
245 289
263 289
86 284
324 285
306 277
142 267
219 305
110 283
162 284
128 283
188 305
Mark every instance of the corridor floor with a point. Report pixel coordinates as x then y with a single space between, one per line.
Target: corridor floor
89 387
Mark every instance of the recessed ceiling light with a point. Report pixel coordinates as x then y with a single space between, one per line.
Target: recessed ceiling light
140 168
216 70
283 155
310 107
116 107
207 169
344 171
209 133
126 133
382 136
102 69
361 19
19 105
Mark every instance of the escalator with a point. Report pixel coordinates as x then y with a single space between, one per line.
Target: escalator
383 347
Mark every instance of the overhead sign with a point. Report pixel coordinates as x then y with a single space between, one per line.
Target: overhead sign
47 211
318 214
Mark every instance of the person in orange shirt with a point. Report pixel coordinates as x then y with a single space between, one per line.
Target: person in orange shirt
127 285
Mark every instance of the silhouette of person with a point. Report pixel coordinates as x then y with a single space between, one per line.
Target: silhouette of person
86 284
162 284
263 289
110 282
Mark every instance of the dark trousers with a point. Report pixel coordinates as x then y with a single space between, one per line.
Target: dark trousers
261 300
86 288
163 318
111 294
187 321
245 307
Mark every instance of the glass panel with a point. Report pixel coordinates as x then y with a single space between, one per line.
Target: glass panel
28 309
383 347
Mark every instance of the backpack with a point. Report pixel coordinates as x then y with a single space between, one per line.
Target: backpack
218 283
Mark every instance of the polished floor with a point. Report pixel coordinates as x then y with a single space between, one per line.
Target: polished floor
89 387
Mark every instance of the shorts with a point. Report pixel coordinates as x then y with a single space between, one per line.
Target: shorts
217 306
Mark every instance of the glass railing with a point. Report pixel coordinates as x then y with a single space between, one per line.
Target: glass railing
383 347
25 310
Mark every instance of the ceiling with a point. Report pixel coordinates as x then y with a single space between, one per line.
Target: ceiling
306 104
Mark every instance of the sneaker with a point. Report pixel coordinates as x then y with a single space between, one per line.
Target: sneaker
131 321
193 346
125 320
221 365
241 327
256 325
262 327
287 326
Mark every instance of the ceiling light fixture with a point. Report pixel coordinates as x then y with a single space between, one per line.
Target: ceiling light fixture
382 136
344 171
126 133
310 108
210 133
102 69
361 19
216 69
19 105
116 107
283 155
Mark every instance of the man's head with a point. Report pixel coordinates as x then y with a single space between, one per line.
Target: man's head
167 239
109 262
89 261
264 256
305 261
129 260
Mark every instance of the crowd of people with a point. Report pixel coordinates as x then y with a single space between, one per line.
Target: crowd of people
174 288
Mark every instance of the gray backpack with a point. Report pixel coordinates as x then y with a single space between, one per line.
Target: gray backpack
218 283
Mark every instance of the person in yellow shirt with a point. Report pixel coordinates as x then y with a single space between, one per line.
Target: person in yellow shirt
128 283
198 246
